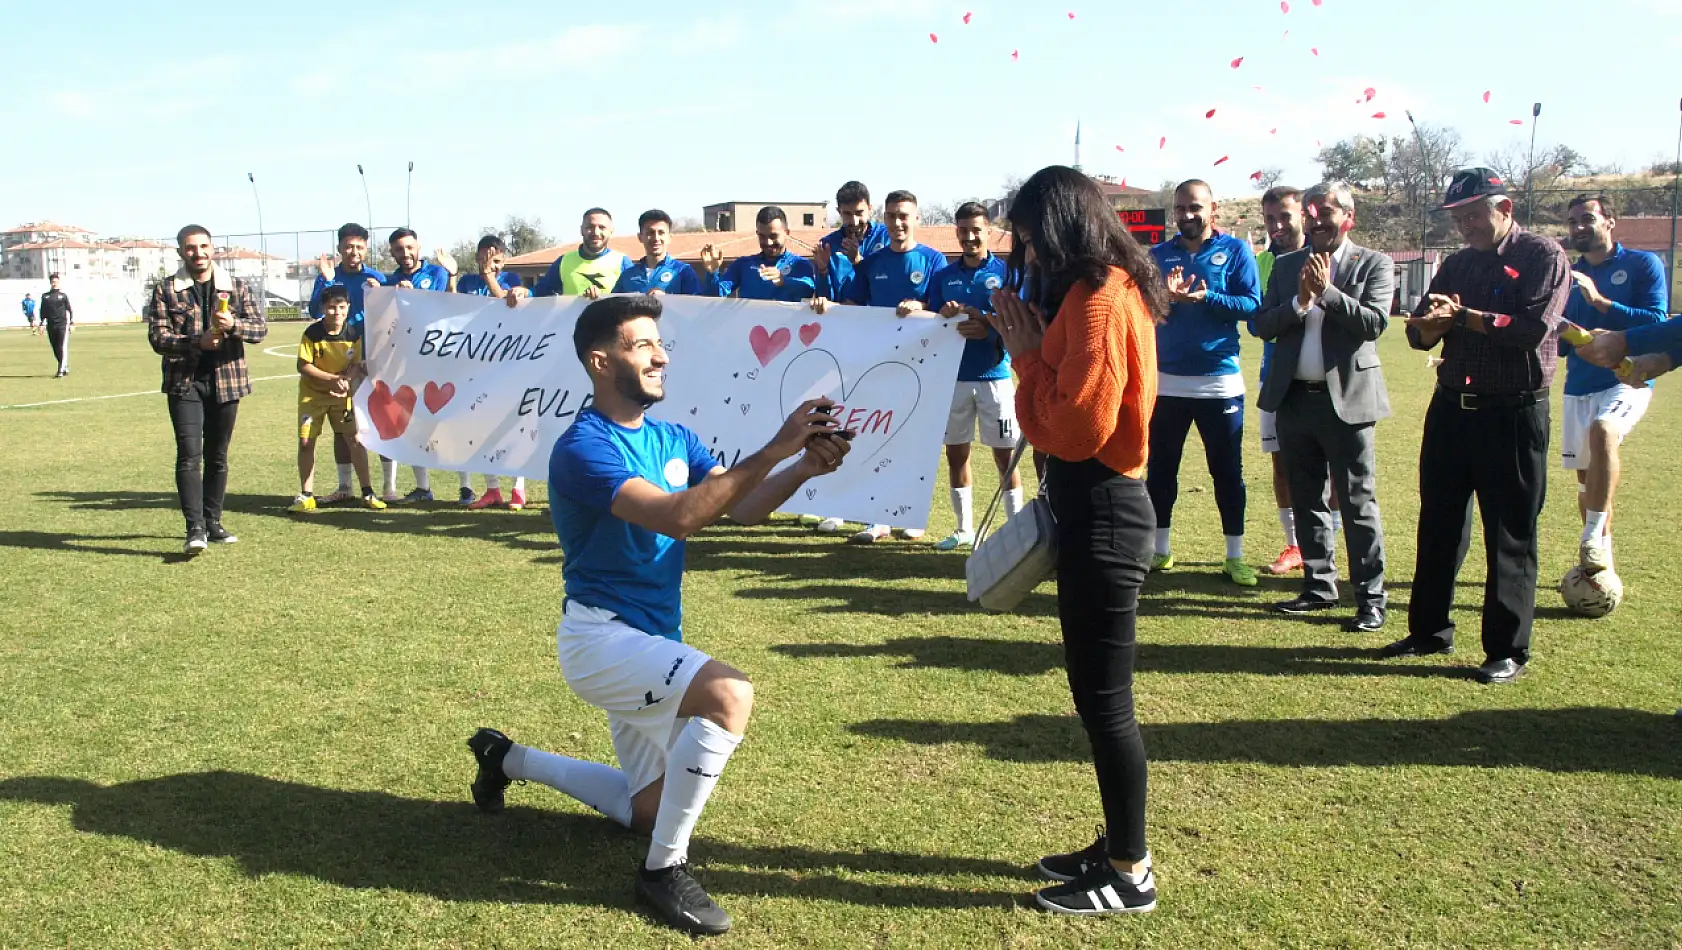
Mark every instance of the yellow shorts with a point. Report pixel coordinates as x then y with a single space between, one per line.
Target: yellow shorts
337 413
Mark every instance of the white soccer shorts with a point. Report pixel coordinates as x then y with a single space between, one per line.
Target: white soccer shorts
993 403
637 678
1620 407
1269 431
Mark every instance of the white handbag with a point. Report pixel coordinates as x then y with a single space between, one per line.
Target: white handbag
1005 565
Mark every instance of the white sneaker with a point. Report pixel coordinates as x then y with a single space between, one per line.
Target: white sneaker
872 534
1596 555
956 540
831 526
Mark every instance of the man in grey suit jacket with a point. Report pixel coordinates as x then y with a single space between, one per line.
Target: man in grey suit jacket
1324 308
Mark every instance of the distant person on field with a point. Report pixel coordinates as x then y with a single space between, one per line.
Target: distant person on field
1617 288
200 322
658 272
490 280
413 273
329 366
625 491
29 312
59 321
985 393
352 273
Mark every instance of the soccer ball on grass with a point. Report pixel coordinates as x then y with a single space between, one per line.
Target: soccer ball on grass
1591 595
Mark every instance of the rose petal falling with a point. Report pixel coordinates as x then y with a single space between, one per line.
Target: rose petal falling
1071 14
1509 271
933 38
1284 6
1210 114
1254 176
1311 211
1486 95
1378 115
1369 92
1315 50
1515 121
1222 159
1238 62
966 18
1272 131
1015 55
1500 320
1162 142
1120 149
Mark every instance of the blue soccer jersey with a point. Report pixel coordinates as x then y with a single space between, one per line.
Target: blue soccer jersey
609 563
839 280
741 279
888 277
354 283
670 276
1634 282
475 283
428 276
1201 339
973 287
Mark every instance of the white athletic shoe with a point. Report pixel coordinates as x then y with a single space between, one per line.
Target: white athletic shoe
910 534
831 526
872 534
1596 555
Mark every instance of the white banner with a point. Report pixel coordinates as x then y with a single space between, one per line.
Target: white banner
461 382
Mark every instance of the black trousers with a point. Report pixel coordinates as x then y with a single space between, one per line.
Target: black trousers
1105 534
1498 455
58 335
203 429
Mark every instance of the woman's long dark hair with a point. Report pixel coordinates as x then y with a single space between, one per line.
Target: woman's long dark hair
1077 237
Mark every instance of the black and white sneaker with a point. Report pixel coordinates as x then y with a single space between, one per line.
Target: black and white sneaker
1069 867
489 748
681 901
195 543
1102 890
220 535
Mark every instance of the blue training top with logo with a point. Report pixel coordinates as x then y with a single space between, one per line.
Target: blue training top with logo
839 280
354 284
609 563
672 276
888 277
742 279
428 276
1201 339
973 287
1634 282
475 283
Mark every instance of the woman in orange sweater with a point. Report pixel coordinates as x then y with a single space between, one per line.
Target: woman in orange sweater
1088 382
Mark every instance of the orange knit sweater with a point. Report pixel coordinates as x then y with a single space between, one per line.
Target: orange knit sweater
1089 389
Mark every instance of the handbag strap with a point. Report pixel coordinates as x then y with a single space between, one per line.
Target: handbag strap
999 493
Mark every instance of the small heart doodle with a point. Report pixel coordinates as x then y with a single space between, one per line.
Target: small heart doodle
744 408
753 374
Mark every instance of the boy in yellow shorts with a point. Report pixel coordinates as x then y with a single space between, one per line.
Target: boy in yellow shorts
329 366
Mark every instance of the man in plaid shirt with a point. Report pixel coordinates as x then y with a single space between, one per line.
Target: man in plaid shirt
199 321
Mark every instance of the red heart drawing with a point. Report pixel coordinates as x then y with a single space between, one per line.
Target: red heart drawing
391 411
437 397
767 346
809 333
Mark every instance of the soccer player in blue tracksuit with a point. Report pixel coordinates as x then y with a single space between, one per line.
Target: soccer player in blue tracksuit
985 391
658 272
352 273
1213 286
1617 289
490 280
839 252
416 274
897 276
775 273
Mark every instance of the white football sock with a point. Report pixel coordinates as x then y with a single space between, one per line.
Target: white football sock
599 786
466 480
492 483
388 475
1234 545
1013 502
1594 525
1288 521
1162 541
423 478
964 507
520 484
344 477
693 765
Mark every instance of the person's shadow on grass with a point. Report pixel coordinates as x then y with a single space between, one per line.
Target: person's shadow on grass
450 851
1592 739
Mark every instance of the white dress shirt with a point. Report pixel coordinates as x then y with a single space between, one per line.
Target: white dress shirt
1311 360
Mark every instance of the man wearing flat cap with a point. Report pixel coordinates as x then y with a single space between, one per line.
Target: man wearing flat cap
1496 308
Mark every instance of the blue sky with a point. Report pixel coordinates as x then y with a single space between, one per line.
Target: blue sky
134 119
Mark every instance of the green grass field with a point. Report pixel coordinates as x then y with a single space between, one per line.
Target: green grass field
264 747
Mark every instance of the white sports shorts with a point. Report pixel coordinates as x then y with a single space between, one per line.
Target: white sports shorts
993 402
1620 407
637 678
1269 431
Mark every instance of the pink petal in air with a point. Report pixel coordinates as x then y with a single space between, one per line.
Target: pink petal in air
1315 50
1222 159
933 38
1510 272
1515 121
966 18
1210 114
1369 92
1378 115
1486 96
1238 62
1284 6
1500 320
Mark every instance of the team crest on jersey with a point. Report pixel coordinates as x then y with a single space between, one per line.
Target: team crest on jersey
665 277
1219 258
916 277
677 473
783 269
992 282
425 283
1620 278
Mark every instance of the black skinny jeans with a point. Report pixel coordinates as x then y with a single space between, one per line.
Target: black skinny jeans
203 429
1105 534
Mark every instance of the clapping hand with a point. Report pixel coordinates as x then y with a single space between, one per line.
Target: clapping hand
1185 288
711 259
1316 276
1020 324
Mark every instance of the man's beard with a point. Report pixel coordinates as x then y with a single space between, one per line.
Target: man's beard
1589 243
632 387
1191 230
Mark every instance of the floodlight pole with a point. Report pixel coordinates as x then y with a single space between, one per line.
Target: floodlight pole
1530 169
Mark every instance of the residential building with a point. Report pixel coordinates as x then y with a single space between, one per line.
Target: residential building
740 215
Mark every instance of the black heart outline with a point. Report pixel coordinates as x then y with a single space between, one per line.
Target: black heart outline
847 391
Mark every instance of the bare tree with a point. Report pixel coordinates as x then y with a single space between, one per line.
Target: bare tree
1400 180
938 213
688 225
1267 178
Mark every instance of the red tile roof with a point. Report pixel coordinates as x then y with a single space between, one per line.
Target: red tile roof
687 247
60 244
52 227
